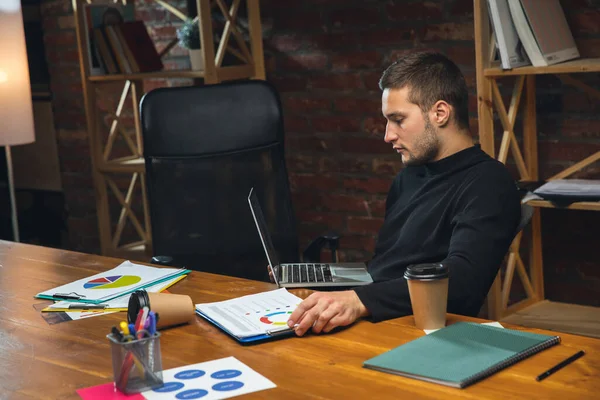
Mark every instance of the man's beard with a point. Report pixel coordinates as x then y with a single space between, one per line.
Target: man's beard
426 147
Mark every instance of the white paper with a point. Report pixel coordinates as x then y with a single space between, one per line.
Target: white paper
495 323
217 379
254 314
119 302
87 314
570 187
120 280
529 197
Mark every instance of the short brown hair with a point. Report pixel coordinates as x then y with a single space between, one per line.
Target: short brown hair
430 77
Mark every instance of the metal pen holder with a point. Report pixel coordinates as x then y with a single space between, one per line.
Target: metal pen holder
137 364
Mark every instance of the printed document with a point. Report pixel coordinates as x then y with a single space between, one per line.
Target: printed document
252 315
217 379
123 279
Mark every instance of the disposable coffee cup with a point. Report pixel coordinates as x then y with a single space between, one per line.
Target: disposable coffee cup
172 309
428 288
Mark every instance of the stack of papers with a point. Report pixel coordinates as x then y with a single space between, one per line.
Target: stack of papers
115 283
118 304
567 191
252 317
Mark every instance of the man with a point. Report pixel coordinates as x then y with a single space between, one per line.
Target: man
452 203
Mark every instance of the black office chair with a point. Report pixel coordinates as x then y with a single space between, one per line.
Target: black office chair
204 148
513 251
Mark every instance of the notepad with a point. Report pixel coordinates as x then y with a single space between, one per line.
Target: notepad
461 354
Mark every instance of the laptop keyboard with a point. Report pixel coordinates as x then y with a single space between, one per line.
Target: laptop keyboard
304 273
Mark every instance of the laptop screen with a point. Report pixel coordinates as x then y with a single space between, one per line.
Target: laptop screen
265 237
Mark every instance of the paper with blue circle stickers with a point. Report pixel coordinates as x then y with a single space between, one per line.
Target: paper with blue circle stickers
216 379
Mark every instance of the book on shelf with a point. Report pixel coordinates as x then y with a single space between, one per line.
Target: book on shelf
461 354
118 49
99 16
117 43
128 53
140 46
544 31
105 51
512 53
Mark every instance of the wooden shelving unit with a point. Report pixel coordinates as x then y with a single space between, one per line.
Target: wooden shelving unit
110 170
526 159
567 67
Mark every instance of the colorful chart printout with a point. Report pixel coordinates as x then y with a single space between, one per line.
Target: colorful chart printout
112 282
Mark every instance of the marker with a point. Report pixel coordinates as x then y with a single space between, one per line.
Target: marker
142 321
132 330
124 328
117 334
560 365
152 324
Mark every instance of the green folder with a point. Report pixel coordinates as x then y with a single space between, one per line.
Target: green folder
461 354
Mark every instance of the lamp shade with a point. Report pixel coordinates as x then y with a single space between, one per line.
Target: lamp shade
16 113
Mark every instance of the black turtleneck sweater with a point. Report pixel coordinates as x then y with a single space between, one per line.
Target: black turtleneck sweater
462 211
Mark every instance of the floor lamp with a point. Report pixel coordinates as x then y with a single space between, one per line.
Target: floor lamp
16 111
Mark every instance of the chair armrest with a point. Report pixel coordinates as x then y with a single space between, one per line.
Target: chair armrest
162 260
329 240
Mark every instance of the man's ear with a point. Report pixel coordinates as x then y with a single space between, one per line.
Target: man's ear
441 113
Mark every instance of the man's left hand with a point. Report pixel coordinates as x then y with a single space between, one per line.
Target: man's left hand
324 311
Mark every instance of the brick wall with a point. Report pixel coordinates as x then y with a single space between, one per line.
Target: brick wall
325 57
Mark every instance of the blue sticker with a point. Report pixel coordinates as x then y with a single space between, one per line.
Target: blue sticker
226 374
191 394
190 374
169 387
225 386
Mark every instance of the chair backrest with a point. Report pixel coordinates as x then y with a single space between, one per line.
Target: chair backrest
204 148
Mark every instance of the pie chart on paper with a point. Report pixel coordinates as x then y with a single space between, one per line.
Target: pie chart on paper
112 282
276 318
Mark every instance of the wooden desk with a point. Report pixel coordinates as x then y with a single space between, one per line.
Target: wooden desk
39 361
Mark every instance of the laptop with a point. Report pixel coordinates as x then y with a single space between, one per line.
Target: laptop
306 275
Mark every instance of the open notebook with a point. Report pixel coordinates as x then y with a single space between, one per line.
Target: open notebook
461 354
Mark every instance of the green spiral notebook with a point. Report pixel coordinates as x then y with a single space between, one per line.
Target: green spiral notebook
461 354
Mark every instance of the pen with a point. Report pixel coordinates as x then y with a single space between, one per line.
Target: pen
66 296
80 306
283 329
560 365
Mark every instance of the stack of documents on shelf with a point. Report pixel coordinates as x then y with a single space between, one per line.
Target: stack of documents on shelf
563 192
253 317
512 53
543 30
115 283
